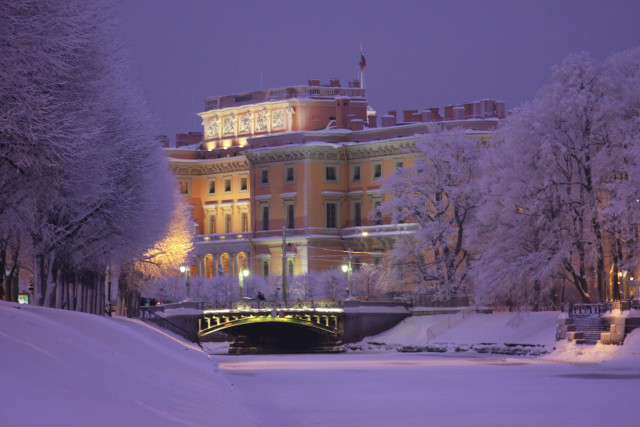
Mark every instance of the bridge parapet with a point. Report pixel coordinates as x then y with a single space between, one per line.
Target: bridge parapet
322 320
261 304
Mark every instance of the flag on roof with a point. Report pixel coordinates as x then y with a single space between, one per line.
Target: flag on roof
363 62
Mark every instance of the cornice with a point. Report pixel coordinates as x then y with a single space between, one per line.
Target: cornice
385 148
288 153
209 167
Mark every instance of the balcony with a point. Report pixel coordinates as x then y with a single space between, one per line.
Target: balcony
383 230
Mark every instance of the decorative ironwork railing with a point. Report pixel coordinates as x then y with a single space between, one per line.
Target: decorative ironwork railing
268 305
598 309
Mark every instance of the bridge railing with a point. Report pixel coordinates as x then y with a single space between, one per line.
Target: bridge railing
259 304
150 315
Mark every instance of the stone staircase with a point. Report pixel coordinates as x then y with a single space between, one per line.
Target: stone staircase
588 328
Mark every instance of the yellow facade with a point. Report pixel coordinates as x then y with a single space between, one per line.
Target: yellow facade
313 189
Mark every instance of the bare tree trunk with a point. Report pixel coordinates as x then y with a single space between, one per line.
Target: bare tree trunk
50 293
39 286
80 295
599 260
615 291
60 290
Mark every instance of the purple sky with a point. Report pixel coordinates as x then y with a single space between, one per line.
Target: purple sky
419 53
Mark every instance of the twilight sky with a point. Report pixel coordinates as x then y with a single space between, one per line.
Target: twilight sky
419 53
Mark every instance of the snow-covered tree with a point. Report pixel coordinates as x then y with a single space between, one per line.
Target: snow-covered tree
162 260
438 195
84 181
562 182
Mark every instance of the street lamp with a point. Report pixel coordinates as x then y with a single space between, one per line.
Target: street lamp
243 273
184 269
346 268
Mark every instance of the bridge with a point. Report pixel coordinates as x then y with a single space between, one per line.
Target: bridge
277 329
273 327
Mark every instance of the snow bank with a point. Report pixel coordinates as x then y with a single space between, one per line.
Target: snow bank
626 355
504 333
65 368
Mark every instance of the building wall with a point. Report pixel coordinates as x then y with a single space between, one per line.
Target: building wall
247 150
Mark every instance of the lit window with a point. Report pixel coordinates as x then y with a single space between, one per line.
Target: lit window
184 187
290 266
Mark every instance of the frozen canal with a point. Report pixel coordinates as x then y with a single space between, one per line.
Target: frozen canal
420 389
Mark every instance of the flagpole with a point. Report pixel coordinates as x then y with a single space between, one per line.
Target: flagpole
361 68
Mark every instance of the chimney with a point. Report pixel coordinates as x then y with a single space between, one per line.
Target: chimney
448 112
357 124
500 109
314 82
350 118
435 114
354 83
343 109
458 112
388 120
373 121
488 108
334 82
425 116
408 115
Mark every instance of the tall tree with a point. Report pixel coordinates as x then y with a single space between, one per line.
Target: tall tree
562 182
91 185
438 195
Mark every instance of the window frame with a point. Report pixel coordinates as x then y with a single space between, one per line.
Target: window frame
245 179
374 166
336 173
286 174
353 173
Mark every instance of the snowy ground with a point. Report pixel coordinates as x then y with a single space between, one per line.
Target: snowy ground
61 368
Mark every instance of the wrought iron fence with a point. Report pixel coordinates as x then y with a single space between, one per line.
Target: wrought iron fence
598 309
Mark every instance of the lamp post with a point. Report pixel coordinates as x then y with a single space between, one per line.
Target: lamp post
243 273
187 273
346 268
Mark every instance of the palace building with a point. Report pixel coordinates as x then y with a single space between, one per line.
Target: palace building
285 179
